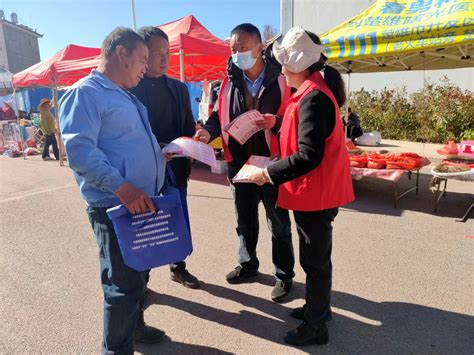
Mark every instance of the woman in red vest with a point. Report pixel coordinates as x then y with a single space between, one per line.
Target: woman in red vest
313 173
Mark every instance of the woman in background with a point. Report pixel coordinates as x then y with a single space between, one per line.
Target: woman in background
48 126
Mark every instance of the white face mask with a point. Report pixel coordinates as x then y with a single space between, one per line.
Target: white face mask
244 60
297 51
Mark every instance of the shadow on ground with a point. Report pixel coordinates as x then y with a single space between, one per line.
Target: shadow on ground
171 347
358 325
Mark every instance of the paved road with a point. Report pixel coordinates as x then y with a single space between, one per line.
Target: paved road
402 277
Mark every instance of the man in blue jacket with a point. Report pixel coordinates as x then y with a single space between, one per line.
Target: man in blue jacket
116 159
170 115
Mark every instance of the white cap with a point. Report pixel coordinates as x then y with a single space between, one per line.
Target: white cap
297 51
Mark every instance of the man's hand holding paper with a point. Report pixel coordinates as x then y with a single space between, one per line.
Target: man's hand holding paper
193 149
245 125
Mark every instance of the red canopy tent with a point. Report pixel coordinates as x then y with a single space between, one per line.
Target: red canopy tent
43 73
196 54
69 71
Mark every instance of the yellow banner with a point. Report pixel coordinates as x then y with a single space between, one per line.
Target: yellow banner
401 26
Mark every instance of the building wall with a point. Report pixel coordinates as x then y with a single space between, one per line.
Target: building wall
320 16
3 50
21 47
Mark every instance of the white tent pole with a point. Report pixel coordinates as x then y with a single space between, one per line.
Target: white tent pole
23 144
347 102
424 87
56 117
181 65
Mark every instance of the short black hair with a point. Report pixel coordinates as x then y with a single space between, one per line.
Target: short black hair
149 32
121 36
247 28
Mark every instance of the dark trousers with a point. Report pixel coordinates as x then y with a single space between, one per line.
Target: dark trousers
354 131
183 190
246 200
50 140
182 169
123 287
315 238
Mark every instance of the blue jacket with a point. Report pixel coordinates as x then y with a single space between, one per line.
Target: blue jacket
108 141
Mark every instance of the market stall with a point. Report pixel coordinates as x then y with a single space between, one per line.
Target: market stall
387 166
44 74
195 55
457 165
402 36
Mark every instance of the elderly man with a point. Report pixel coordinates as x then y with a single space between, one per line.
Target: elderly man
116 159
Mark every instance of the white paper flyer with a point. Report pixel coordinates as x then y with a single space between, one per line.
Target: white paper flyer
192 148
244 126
254 164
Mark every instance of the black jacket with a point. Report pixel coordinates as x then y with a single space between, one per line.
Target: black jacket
316 122
182 113
180 93
268 100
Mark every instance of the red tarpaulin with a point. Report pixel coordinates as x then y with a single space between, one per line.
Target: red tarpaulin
42 74
205 56
70 71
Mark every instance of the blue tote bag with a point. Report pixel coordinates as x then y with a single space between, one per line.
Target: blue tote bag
153 239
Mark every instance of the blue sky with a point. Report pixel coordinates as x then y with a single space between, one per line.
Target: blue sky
87 22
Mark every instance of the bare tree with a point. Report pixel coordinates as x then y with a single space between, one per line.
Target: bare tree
269 32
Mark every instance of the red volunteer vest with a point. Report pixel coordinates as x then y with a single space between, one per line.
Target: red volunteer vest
330 184
224 115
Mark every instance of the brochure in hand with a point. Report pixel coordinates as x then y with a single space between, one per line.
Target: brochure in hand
244 126
192 148
254 164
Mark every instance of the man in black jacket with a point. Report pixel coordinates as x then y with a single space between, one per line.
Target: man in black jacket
170 115
253 83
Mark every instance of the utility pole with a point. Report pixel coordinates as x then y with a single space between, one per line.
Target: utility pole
133 16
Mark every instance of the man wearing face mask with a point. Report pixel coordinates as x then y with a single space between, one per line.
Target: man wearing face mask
253 82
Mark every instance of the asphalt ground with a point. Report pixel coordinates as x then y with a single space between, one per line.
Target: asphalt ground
403 278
